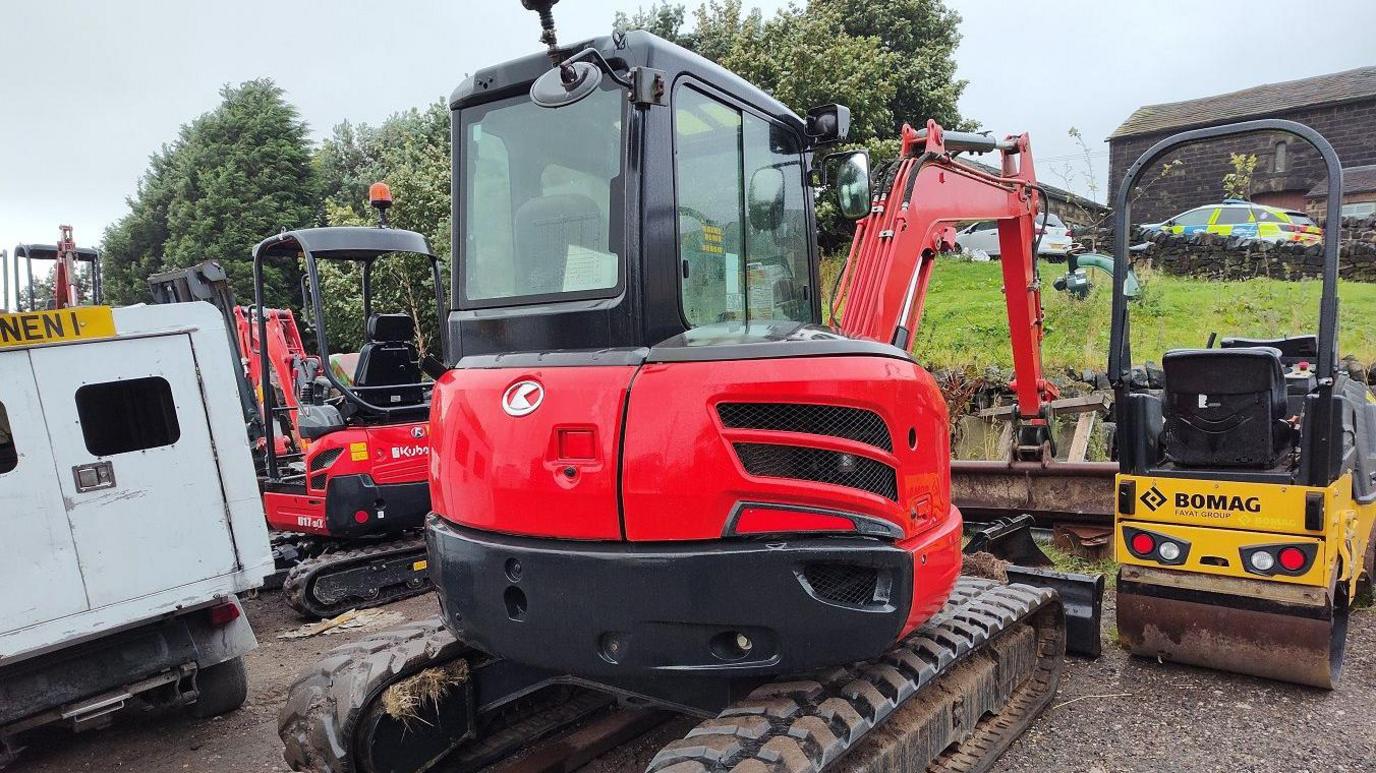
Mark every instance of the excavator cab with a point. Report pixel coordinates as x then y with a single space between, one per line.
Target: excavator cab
1247 481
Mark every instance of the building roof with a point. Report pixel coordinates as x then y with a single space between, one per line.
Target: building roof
1356 179
1267 99
1051 190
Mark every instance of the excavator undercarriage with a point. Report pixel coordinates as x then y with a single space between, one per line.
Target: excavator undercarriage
949 697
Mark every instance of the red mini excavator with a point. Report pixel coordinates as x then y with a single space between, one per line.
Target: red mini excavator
344 464
67 283
655 474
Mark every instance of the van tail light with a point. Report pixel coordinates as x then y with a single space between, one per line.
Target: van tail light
1152 546
1290 560
224 613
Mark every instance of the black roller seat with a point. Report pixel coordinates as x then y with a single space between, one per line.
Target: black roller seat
390 359
1226 408
1293 349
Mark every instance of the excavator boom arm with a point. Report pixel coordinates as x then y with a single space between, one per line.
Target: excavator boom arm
920 199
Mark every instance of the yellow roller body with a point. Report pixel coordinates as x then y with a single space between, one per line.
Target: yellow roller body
1210 605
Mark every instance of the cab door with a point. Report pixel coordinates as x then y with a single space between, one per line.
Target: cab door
38 561
136 464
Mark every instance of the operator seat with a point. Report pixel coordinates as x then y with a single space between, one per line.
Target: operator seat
545 229
1225 408
390 359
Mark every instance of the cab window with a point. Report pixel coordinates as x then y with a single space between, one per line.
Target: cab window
9 455
1195 217
742 219
541 200
1233 216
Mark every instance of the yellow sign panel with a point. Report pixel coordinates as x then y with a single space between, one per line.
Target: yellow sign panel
358 452
29 328
420 566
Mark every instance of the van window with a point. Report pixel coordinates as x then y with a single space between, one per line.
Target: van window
9 455
119 417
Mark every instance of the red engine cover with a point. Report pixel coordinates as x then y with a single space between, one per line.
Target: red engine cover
683 477
548 470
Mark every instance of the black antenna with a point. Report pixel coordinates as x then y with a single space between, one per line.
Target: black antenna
547 33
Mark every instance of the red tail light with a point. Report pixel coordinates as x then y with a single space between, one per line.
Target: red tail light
1143 543
1292 559
224 613
1150 546
1270 560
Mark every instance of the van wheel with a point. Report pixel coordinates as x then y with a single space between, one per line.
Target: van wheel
223 687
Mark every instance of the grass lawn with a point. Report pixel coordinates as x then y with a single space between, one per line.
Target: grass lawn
965 325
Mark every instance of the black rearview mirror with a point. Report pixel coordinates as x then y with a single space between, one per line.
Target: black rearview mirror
852 182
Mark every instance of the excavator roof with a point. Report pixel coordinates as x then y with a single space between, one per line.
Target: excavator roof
344 243
631 49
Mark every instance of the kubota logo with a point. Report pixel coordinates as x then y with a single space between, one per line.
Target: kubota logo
418 432
522 398
1153 498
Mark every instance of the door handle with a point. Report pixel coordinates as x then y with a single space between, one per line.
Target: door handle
94 476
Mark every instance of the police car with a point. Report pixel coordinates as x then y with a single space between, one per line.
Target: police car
1238 217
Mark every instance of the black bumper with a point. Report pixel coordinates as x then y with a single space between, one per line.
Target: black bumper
626 612
391 508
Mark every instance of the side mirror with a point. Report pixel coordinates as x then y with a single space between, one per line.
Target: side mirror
765 199
852 182
827 124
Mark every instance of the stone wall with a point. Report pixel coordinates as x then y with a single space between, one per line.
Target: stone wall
1217 257
1199 177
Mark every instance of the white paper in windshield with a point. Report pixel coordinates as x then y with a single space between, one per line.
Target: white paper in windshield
588 269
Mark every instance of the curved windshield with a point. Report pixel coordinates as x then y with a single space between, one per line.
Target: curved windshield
542 200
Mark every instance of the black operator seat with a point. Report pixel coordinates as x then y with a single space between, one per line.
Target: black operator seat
1293 349
390 359
1225 408
546 227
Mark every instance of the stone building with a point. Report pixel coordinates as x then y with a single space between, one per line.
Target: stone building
1359 193
1341 106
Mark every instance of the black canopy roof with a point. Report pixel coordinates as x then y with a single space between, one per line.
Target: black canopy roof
343 243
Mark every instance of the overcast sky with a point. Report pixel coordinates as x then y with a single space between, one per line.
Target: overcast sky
90 89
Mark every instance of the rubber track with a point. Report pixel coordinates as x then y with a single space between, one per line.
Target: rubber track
809 724
300 581
319 719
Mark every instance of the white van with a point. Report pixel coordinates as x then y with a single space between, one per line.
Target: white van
129 516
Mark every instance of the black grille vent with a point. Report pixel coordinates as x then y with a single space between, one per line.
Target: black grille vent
855 586
819 465
325 459
855 424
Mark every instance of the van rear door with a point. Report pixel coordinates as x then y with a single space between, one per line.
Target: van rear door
136 464
38 562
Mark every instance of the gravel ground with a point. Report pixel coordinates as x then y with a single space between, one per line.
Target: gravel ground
1117 713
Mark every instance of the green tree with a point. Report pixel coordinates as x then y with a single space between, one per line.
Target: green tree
410 152
923 34
233 177
889 61
1237 184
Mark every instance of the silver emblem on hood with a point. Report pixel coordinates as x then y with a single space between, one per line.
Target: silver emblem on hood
522 397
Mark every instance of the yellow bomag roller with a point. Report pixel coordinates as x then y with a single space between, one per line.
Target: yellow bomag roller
1247 482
